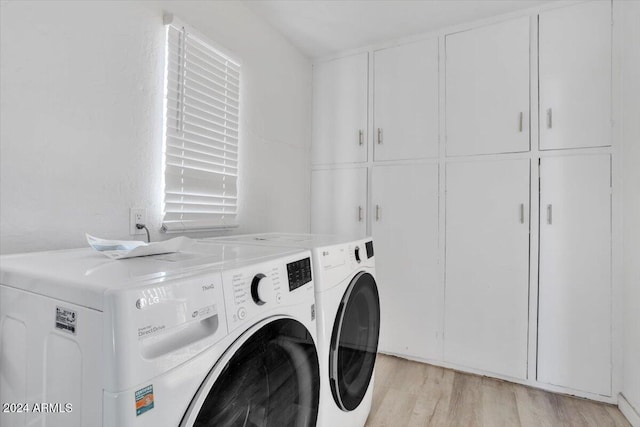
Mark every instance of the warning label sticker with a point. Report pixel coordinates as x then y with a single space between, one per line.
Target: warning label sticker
66 319
144 400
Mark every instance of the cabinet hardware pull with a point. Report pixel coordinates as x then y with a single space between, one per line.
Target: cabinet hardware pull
360 214
549 214
521 213
520 121
549 118
377 212
360 137
379 135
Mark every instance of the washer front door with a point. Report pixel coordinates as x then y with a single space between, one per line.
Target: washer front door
271 380
354 342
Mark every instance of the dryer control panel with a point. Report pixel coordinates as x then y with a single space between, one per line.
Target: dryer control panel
336 263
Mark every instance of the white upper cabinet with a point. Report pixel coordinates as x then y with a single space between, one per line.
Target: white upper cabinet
487 265
574 323
487 89
339 201
339 128
575 76
404 223
406 101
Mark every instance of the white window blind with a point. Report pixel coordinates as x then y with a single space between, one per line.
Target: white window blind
201 134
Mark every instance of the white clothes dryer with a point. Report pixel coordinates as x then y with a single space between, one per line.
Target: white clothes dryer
222 335
348 309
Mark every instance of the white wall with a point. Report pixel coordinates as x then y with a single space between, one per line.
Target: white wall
631 198
81 118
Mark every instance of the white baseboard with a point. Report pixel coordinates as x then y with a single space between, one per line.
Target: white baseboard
628 411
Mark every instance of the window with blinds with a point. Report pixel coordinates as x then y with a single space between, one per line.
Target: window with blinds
202 97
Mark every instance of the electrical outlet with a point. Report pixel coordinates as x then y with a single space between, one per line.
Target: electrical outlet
137 216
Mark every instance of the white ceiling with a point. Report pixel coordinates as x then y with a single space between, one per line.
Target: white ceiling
323 27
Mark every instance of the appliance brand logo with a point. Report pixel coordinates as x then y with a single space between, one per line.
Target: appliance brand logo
144 302
208 287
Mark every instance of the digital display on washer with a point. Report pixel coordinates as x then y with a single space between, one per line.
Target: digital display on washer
299 273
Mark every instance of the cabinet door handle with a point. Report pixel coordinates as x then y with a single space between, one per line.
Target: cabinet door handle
360 137
520 121
379 135
360 216
521 213
549 214
549 118
377 212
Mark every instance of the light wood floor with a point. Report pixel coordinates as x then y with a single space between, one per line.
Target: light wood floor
409 393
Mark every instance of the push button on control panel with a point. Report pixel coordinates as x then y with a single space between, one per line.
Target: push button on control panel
242 313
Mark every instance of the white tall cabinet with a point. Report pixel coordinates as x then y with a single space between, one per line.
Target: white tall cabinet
487 89
485 176
405 92
403 213
339 202
574 324
487 265
340 97
575 76
405 234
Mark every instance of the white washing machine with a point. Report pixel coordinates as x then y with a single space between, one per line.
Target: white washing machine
222 335
348 309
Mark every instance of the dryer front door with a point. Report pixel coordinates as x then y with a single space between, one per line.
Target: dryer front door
354 342
272 379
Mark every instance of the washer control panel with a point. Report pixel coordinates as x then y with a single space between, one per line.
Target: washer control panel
252 290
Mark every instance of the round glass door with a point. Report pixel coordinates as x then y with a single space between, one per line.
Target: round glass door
272 380
354 342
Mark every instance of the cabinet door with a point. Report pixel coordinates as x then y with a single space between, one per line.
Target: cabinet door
339 124
487 266
487 89
575 76
406 101
339 201
574 324
405 230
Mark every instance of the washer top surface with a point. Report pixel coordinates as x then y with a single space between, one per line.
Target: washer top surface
82 276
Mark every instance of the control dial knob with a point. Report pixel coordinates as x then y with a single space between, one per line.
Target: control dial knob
356 253
262 289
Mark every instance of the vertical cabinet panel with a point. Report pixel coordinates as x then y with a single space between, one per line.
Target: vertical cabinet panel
339 125
404 219
487 265
574 326
339 201
575 76
406 101
487 89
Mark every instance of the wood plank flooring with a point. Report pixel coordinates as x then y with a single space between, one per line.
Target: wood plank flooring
408 394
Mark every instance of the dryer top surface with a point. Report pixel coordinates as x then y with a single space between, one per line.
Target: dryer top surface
304 241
